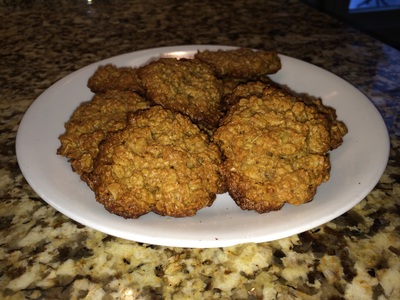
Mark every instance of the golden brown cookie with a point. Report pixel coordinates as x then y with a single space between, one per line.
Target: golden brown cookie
91 122
241 63
245 90
337 128
276 150
186 86
111 77
161 162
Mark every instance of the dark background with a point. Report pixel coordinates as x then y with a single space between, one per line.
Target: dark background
380 19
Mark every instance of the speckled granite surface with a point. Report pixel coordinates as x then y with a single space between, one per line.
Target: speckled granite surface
45 255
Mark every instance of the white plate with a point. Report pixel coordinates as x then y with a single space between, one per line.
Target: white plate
356 166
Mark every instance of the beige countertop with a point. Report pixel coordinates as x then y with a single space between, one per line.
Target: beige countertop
46 255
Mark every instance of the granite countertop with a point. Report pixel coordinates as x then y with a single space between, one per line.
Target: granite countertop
46 255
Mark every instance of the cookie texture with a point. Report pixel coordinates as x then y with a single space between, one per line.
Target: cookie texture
92 122
111 77
241 63
337 128
187 86
161 162
276 150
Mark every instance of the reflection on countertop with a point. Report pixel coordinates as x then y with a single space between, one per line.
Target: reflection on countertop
45 255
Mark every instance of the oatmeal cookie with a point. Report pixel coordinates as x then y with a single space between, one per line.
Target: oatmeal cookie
91 122
275 148
241 63
161 162
186 86
337 128
111 77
